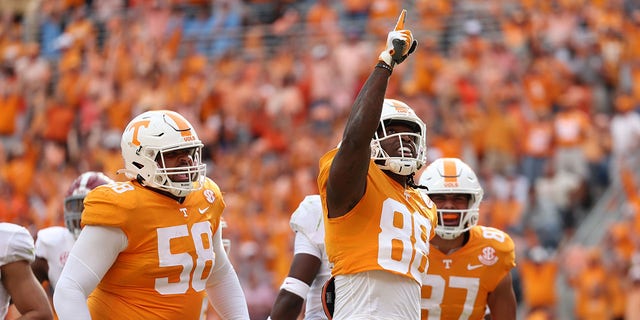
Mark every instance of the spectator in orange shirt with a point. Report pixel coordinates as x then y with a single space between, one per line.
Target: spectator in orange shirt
592 299
322 17
632 311
537 145
570 130
12 106
539 270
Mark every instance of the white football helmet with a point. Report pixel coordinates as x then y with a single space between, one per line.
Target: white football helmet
151 134
394 111
448 176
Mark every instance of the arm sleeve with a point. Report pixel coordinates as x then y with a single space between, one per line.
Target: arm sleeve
85 268
304 245
223 286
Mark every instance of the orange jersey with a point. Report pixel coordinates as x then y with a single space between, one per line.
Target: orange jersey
389 229
456 285
164 269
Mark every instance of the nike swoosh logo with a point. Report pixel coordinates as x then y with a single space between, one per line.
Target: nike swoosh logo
202 211
473 267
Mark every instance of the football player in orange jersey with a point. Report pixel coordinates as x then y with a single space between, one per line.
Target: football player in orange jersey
151 247
377 226
469 265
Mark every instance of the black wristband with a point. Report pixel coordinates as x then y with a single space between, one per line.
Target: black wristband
383 65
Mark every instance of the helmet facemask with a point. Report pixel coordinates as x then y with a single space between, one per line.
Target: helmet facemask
149 138
454 222
412 145
163 177
73 206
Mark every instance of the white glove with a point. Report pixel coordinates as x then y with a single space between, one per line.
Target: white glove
400 43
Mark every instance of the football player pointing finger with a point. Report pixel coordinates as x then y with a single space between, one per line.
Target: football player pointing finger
367 185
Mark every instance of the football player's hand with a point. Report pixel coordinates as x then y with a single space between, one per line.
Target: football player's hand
400 43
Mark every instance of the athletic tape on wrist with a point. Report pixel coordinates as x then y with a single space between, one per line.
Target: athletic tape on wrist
383 65
295 286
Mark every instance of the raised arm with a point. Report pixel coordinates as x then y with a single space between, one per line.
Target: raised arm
348 175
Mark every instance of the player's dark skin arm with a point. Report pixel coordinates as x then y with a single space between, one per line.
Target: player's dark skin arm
40 269
348 174
288 305
25 291
502 300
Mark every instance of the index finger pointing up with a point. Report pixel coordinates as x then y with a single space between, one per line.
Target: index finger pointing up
400 23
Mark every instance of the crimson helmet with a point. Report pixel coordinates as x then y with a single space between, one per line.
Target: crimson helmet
73 201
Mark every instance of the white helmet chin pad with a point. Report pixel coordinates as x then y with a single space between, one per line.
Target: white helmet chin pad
453 176
394 111
145 141
403 167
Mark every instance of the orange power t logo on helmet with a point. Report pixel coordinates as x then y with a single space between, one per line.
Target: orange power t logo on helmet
135 127
401 109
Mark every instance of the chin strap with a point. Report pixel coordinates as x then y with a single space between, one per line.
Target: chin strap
131 173
127 172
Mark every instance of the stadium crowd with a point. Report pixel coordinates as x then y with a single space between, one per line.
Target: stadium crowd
541 98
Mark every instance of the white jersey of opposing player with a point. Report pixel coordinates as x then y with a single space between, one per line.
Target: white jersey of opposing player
15 244
307 221
54 244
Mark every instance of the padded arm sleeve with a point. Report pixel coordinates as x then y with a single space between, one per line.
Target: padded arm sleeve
85 268
223 285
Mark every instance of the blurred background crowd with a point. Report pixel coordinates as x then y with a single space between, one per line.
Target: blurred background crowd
540 97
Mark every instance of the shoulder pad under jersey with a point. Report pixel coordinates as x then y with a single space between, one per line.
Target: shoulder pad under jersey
51 235
110 205
210 184
118 194
307 219
16 244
